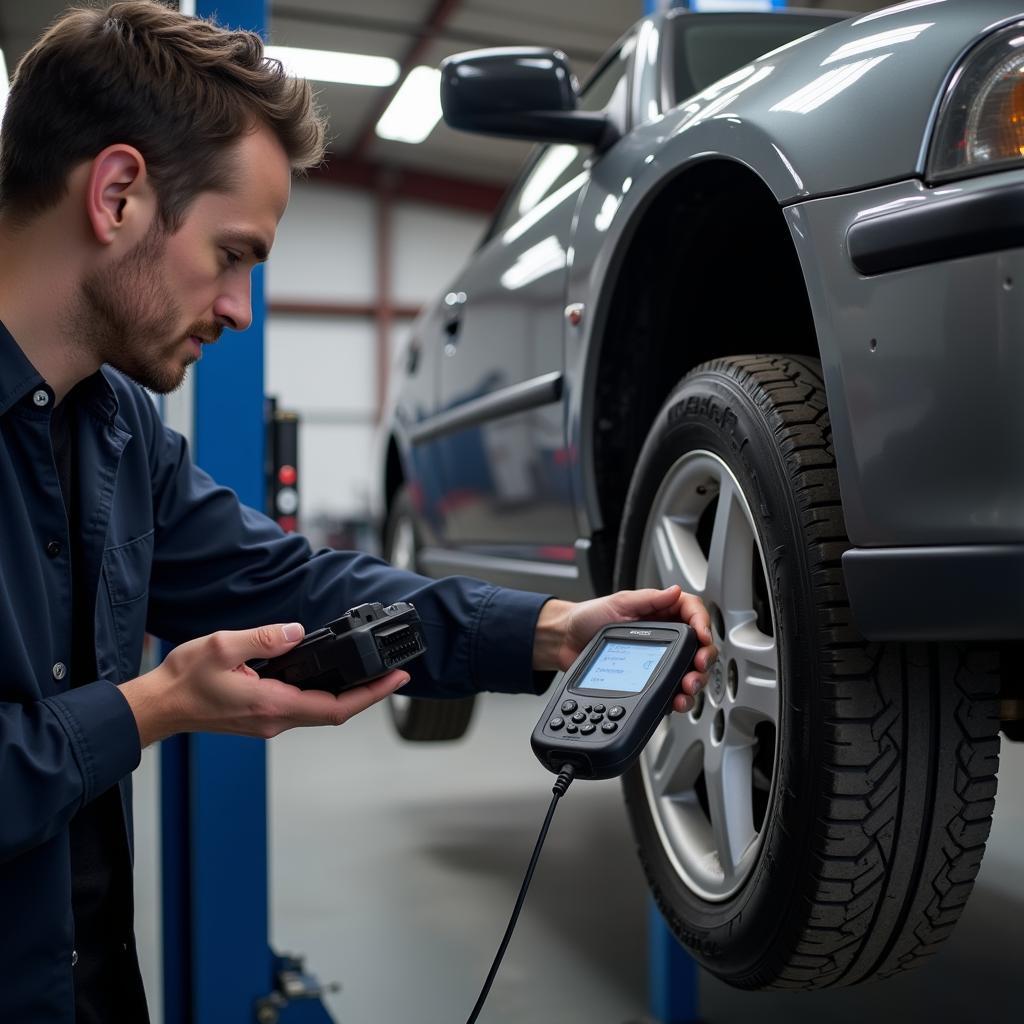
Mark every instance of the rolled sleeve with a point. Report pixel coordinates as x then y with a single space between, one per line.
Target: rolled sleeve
102 731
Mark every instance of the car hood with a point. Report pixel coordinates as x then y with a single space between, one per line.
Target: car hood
847 107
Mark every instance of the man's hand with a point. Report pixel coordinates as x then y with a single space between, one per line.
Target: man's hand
205 686
565 628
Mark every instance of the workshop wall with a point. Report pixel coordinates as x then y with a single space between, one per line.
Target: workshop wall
321 360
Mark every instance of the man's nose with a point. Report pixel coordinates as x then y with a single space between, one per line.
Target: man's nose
234 308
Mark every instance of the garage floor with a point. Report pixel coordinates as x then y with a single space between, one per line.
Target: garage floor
395 867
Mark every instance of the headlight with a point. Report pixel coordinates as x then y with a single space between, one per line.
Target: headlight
981 119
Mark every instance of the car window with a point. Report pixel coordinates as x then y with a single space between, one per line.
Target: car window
707 49
556 165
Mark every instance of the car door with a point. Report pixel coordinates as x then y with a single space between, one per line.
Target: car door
499 435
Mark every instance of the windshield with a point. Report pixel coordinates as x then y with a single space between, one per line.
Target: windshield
708 48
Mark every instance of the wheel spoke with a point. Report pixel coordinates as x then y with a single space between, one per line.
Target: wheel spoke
730 555
727 774
674 757
757 692
677 556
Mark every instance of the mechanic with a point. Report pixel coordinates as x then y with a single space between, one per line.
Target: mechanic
145 165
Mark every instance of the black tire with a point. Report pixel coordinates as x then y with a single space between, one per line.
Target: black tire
416 718
885 755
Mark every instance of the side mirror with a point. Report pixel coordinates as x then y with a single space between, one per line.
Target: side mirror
519 93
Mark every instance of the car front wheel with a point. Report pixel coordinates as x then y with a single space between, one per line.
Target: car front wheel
820 815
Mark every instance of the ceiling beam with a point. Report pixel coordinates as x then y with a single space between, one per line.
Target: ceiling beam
469 38
405 183
435 21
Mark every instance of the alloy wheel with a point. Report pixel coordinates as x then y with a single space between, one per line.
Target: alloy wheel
709 774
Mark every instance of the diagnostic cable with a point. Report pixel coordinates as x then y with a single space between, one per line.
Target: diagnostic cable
603 710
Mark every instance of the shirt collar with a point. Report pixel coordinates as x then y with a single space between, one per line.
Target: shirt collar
18 377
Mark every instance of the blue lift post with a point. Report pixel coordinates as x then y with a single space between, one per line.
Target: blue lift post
672 976
218 964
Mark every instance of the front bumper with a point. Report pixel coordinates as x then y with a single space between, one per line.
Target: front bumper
923 358
937 593
918 300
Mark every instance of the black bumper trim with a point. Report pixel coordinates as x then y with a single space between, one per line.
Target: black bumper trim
937 593
942 229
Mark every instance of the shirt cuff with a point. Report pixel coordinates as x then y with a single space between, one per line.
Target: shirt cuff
502 654
103 733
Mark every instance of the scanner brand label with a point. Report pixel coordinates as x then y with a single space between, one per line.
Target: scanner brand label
641 632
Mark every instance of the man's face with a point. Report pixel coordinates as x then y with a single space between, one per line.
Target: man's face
148 312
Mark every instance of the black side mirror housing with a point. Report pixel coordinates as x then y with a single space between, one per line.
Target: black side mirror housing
519 93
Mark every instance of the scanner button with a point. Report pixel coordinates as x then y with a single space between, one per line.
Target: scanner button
609 727
579 717
595 717
588 709
572 728
616 712
599 708
569 706
586 729
556 723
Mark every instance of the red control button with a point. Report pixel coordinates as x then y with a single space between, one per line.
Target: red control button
287 476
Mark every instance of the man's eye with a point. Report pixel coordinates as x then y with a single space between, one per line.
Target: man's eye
232 257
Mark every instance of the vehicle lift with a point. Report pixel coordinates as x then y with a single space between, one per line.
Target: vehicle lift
218 967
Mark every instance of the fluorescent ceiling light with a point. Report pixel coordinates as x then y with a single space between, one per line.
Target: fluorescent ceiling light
416 108
334 66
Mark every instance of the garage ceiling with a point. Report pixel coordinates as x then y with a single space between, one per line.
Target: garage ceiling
413 32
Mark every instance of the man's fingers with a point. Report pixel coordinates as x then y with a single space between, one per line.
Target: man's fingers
682 703
693 683
693 612
230 647
317 707
638 604
362 697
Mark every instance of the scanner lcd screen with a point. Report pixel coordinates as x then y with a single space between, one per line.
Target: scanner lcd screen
622 665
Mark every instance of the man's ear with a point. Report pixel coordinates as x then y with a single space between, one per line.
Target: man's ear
118 196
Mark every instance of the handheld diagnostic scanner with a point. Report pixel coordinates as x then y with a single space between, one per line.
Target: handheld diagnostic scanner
606 706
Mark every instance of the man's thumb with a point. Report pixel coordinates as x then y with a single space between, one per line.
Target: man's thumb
269 641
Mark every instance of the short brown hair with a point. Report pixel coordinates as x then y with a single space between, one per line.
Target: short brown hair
181 90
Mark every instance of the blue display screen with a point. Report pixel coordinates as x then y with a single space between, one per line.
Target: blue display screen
622 665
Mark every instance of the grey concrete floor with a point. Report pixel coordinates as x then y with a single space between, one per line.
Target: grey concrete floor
394 868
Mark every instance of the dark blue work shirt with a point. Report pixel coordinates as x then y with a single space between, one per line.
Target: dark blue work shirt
164 549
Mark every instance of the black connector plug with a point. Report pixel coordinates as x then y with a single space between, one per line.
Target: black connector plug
565 776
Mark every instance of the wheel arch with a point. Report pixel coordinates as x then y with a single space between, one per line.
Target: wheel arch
710 270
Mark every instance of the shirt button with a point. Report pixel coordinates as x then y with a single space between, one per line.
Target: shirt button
60 670
41 398
74 958
53 548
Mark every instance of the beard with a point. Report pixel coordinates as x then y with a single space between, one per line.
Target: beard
126 315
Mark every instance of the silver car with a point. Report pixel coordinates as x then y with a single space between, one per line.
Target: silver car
751 324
